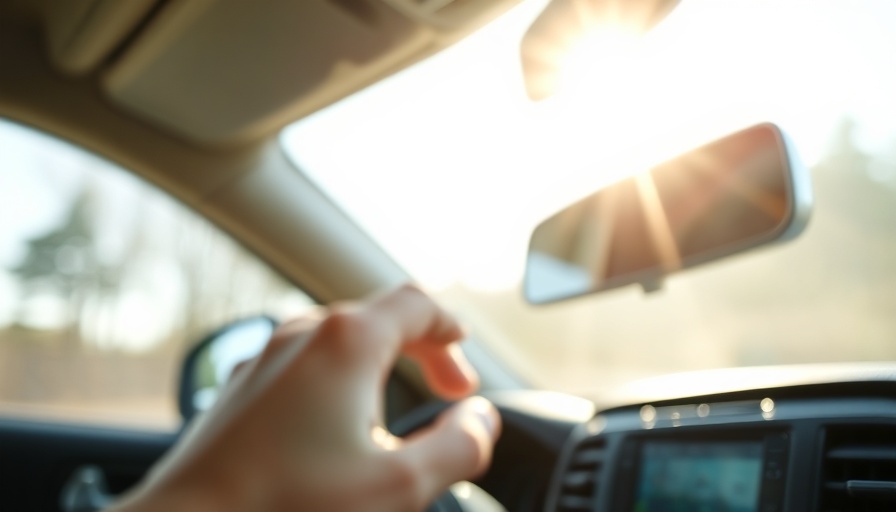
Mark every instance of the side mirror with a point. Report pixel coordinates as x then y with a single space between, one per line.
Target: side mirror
209 364
737 193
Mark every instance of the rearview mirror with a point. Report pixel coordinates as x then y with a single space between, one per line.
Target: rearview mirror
740 192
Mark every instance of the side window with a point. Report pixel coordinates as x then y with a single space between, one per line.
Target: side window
104 283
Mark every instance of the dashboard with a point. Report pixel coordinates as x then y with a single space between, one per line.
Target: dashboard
821 439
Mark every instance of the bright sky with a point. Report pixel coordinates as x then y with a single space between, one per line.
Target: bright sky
450 166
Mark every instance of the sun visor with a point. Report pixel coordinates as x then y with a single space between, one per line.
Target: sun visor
81 33
231 71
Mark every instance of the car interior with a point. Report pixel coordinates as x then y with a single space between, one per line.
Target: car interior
193 97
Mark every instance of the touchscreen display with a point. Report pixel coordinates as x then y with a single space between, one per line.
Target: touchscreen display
699 477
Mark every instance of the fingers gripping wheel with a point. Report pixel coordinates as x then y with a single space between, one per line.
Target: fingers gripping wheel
462 496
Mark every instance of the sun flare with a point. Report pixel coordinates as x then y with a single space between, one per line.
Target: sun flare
491 163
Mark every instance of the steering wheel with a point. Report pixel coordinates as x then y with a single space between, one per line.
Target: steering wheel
462 496
535 425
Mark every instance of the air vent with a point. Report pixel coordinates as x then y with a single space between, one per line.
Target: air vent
859 469
579 483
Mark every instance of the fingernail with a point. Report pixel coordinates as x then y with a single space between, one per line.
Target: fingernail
486 413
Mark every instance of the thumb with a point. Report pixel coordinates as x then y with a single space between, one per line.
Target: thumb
458 446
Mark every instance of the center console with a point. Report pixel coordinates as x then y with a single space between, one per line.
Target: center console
833 453
740 471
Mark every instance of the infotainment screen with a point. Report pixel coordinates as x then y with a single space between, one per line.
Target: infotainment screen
699 476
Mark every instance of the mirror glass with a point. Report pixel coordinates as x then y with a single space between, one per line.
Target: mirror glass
210 364
728 196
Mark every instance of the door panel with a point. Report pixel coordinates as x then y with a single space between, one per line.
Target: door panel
38 458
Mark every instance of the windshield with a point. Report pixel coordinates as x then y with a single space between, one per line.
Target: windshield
450 167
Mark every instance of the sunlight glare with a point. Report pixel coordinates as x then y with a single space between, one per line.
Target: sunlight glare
491 164
612 51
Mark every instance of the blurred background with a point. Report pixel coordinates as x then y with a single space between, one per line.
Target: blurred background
105 282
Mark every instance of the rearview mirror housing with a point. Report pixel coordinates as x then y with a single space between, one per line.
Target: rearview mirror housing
740 192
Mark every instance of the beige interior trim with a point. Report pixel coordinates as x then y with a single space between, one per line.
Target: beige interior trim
227 72
284 215
243 189
82 33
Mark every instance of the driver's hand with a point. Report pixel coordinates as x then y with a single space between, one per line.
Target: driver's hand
299 427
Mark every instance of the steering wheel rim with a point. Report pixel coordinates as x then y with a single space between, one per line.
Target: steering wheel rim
473 498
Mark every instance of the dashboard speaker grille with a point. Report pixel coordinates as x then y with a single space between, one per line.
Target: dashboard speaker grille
579 483
859 469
